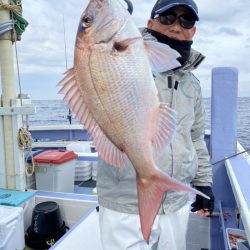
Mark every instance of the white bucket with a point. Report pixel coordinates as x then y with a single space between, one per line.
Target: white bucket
83 169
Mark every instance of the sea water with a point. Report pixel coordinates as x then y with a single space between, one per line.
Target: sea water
54 112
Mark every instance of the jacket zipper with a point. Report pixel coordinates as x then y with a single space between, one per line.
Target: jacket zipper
170 85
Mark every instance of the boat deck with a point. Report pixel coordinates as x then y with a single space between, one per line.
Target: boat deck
198 235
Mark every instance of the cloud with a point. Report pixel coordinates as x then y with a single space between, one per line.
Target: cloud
222 36
230 31
247 43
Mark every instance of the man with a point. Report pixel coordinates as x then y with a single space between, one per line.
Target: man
172 22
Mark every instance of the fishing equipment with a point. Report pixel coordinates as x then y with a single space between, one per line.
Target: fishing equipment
130 6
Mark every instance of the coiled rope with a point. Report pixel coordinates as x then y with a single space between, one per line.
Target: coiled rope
6 26
25 143
17 8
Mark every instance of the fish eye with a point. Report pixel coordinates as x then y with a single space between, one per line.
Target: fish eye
87 20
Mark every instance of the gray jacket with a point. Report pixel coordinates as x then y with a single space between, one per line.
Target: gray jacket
185 159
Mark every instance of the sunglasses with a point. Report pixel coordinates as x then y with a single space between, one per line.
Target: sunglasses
187 21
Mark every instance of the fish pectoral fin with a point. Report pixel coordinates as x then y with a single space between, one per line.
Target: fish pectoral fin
166 127
162 58
151 194
124 44
75 100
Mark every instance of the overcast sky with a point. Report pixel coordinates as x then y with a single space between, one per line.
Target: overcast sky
223 36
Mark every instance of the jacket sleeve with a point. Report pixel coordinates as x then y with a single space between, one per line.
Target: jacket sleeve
203 176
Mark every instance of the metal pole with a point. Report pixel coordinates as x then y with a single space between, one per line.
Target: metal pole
8 94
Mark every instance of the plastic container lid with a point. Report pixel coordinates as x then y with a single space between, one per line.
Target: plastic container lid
33 153
55 157
14 198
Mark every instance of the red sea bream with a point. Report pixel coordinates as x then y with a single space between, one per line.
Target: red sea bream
112 92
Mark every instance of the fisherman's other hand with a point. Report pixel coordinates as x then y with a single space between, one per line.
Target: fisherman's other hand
202 205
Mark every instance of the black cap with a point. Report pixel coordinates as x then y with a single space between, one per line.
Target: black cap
164 5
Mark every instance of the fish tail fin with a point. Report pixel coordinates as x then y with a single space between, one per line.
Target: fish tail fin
151 194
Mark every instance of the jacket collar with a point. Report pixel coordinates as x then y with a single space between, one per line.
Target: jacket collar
194 60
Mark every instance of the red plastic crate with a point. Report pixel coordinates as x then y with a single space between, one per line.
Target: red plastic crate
55 157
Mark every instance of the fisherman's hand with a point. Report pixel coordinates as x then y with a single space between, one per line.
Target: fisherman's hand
202 205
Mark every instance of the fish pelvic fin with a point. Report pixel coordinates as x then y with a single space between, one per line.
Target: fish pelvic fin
74 97
151 194
166 127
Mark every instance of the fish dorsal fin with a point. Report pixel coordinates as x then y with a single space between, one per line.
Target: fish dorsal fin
75 100
162 58
165 128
